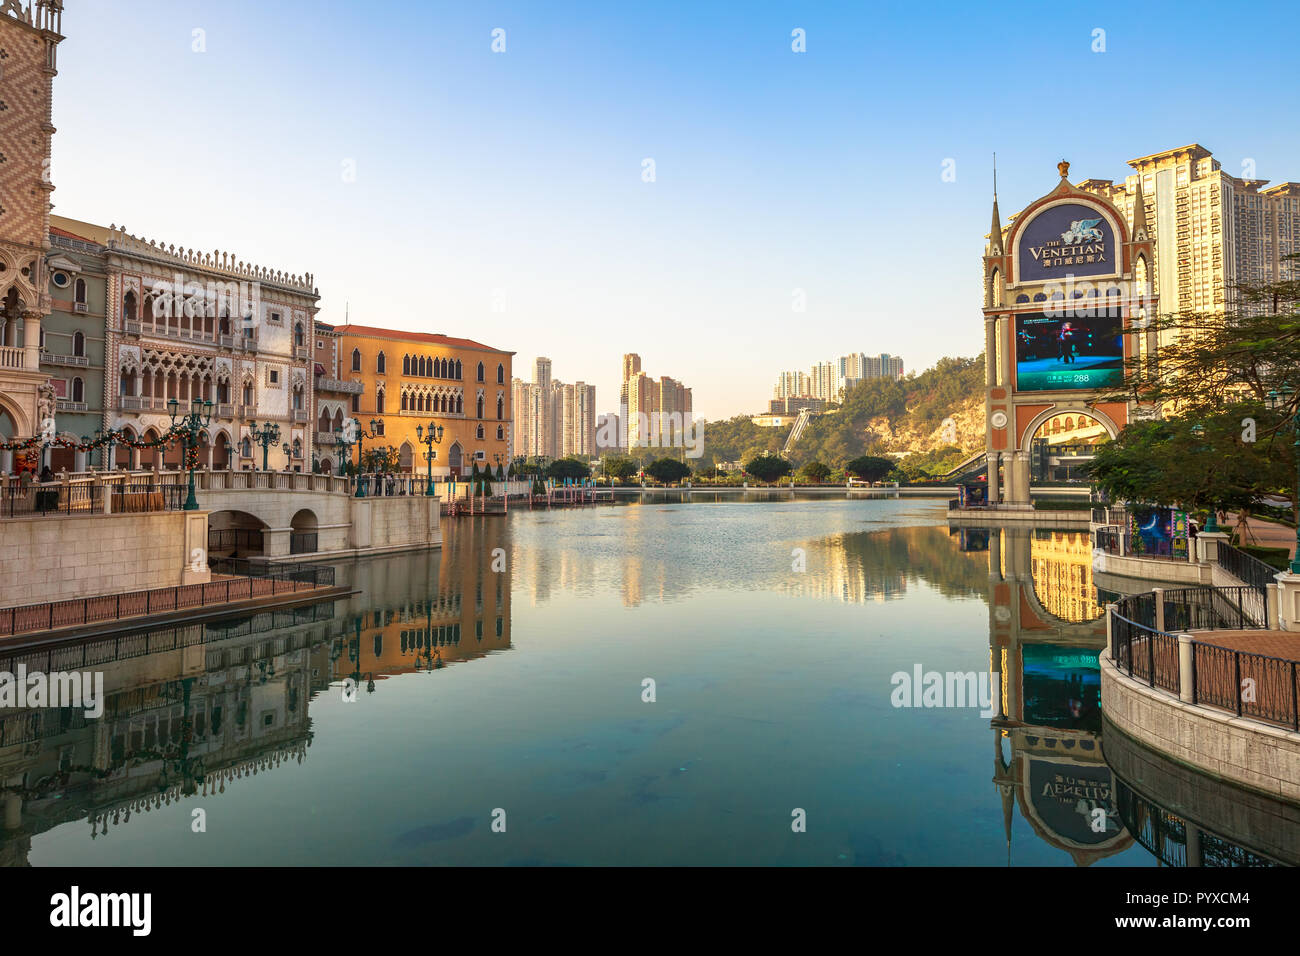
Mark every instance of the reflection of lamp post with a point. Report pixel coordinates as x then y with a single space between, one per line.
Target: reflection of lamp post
1212 525
266 436
1279 402
188 429
434 437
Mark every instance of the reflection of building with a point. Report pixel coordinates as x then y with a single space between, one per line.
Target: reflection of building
1061 283
208 705
1048 758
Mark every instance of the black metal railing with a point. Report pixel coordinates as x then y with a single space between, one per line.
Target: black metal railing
256 580
234 539
1246 683
1246 568
1107 539
148 496
51 498
319 575
1209 608
302 542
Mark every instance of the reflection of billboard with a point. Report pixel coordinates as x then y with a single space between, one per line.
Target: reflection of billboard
1062 686
1056 353
1067 795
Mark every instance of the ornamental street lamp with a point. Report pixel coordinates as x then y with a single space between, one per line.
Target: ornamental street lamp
266 436
188 428
1280 401
434 437
1212 525
342 437
376 430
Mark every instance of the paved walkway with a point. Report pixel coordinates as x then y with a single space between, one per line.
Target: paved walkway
1283 644
1266 534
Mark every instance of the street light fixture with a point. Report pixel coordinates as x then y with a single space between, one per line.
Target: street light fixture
1279 401
434 437
188 428
376 426
266 436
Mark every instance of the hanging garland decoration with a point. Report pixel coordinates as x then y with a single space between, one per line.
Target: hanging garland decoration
176 432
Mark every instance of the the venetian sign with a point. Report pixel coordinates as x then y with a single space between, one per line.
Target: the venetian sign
1070 239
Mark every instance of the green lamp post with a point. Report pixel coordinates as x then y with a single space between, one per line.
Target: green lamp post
187 428
266 436
434 437
1280 401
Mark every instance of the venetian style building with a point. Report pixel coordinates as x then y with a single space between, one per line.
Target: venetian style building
29 37
183 324
337 398
414 378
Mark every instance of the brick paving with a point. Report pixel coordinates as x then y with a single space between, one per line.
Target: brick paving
1283 644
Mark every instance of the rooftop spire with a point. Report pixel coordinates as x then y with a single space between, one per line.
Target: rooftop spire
1139 214
995 231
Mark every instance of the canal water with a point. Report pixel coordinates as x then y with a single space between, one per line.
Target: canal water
653 683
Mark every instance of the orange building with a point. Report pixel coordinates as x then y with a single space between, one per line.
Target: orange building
414 378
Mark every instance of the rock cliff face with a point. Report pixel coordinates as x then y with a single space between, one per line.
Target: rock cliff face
901 435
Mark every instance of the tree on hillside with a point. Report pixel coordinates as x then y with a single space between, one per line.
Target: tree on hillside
667 470
869 467
815 471
768 467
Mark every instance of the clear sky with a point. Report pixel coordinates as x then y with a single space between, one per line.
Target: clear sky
500 196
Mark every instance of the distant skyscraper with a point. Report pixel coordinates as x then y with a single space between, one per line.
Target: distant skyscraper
553 419
642 397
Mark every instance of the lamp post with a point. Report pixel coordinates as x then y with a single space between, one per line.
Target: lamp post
1279 401
188 428
266 436
434 437
359 433
1212 525
343 438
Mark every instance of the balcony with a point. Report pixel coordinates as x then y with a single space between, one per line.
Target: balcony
64 405
132 327
79 360
79 307
338 385
247 411
325 438
225 410
301 352
300 414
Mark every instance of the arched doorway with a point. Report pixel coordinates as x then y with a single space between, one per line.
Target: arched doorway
234 534
405 457
221 452
1062 445
122 452
455 459
303 534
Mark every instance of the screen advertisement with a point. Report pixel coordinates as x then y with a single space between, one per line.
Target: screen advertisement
1062 686
1059 353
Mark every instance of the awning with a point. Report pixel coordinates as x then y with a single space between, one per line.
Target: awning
320 369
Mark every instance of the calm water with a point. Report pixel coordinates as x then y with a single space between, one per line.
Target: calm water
772 684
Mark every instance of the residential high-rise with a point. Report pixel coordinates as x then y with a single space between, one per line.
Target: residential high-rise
643 397
553 419
1212 230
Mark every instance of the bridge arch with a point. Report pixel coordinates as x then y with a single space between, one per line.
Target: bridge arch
235 534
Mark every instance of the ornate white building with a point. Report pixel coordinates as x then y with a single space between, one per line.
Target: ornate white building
183 324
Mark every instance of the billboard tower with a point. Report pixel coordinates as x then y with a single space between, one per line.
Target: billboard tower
1063 283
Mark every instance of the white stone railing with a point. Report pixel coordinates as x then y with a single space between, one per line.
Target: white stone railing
12 358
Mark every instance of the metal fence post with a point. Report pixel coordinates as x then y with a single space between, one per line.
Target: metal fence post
1236 672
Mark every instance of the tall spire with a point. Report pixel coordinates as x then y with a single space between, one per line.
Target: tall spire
995 231
1139 214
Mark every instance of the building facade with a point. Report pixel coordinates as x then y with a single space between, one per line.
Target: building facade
418 378
1062 287
184 325
643 397
337 398
29 37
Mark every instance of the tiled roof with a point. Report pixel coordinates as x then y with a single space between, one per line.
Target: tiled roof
427 337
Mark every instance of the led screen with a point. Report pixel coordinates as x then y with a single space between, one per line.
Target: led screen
1058 354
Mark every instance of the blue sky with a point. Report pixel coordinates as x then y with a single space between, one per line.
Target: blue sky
515 178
